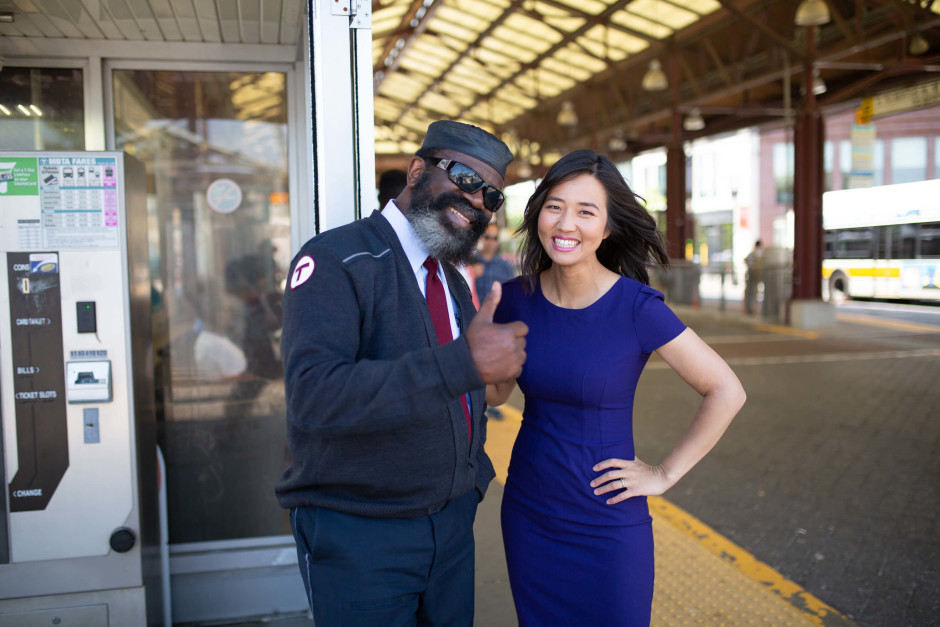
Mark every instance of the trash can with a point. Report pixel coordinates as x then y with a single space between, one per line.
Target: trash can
682 282
778 282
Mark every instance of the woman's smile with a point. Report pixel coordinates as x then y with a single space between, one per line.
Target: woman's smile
564 244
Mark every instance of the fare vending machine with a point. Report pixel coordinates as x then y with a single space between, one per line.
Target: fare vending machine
79 522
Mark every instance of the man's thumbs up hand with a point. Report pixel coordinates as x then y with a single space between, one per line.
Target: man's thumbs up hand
498 350
488 307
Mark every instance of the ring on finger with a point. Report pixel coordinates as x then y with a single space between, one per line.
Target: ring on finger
623 484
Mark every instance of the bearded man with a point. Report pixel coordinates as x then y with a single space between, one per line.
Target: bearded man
385 368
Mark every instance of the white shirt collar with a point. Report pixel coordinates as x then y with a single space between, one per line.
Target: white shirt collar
417 253
410 242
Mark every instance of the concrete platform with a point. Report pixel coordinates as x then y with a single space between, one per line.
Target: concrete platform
701 577
821 504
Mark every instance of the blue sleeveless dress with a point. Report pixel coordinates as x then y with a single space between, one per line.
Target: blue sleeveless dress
573 559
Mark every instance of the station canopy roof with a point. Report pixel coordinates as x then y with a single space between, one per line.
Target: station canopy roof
513 66
521 67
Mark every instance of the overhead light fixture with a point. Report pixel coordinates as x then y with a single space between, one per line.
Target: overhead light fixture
5 110
812 13
819 87
694 121
617 143
655 79
6 17
567 115
24 110
36 110
918 45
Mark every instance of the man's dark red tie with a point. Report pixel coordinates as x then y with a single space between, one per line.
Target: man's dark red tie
437 305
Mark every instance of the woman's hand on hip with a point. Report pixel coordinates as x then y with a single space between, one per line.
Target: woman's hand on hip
624 478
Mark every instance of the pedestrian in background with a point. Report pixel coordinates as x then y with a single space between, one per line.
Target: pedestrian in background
391 184
385 367
754 277
575 497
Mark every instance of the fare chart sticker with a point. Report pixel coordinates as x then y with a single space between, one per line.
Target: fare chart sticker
302 271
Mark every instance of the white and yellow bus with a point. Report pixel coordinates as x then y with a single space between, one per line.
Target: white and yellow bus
883 242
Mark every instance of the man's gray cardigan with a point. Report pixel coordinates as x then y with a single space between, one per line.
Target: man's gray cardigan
375 425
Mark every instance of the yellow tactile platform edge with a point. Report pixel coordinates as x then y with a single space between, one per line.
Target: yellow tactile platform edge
701 577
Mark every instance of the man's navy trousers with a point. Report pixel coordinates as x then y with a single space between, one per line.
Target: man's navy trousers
381 572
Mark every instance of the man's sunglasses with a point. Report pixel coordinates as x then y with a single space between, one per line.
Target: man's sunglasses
469 181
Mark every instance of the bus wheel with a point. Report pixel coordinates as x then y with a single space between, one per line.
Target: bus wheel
838 288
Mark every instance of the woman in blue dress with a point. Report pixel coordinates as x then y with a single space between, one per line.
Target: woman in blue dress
576 527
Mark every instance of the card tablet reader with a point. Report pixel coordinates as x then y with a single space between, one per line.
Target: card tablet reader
87 320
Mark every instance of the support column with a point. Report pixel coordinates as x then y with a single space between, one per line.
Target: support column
806 308
676 229
684 276
808 143
675 200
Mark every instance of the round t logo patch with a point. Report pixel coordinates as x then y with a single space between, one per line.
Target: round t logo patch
302 271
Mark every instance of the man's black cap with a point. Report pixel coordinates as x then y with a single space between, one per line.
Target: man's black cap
470 140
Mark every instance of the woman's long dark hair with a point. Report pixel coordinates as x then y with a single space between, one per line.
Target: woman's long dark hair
634 243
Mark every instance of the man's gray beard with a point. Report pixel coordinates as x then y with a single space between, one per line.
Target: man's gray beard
457 249
444 241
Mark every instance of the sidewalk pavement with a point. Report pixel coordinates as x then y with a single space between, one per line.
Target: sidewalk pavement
819 506
701 578
829 475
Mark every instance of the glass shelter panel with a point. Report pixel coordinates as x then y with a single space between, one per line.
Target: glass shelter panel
215 148
41 109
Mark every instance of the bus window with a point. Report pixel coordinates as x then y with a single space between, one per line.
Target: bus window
854 244
897 241
884 238
929 239
907 242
